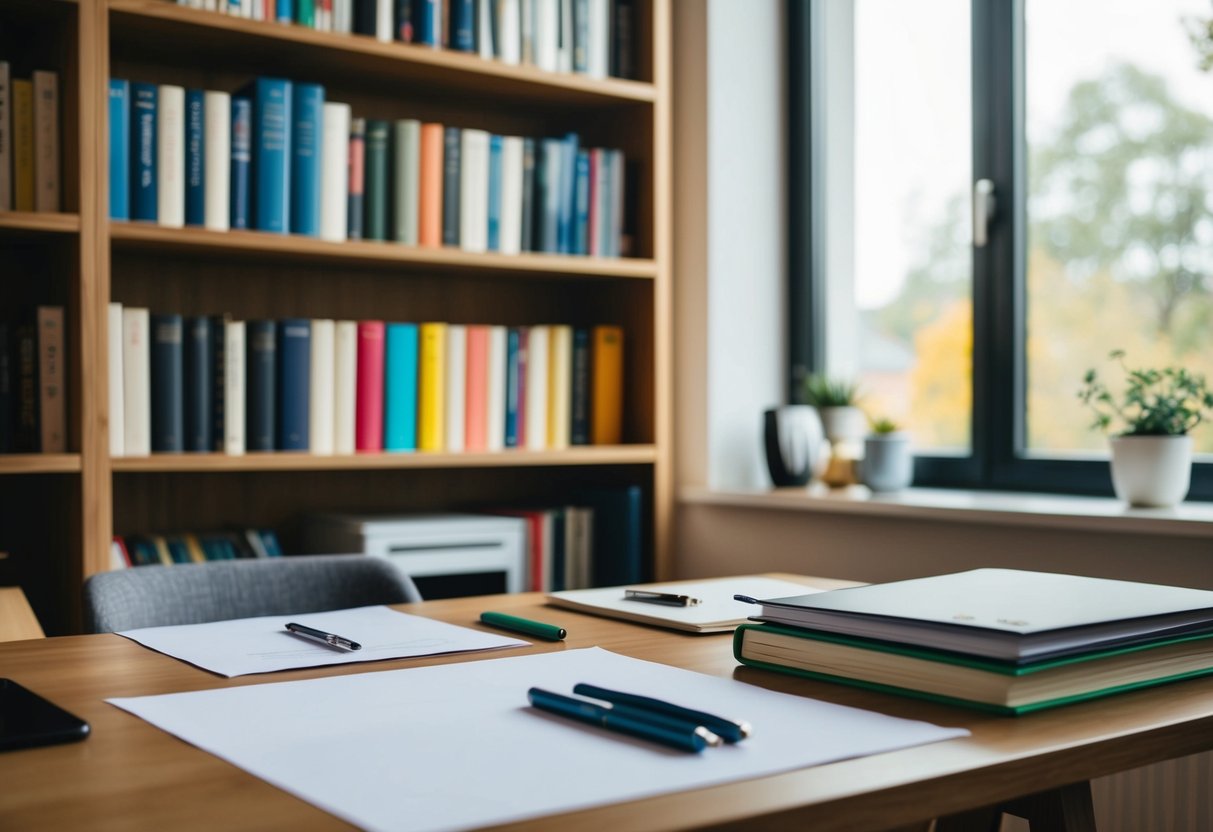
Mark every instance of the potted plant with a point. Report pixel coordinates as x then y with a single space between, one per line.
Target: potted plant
1152 452
835 400
888 464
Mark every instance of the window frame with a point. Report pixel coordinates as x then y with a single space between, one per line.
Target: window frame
998 426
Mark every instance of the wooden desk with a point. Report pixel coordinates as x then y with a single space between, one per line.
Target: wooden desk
129 775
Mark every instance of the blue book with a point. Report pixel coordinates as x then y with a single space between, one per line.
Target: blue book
144 204
400 388
284 13
306 156
195 159
294 383
271 141
495 145
199 384
242 159
260 350
567 194
547 196
429 23
618 528
120 149
581 204
463 22
167 377
513 378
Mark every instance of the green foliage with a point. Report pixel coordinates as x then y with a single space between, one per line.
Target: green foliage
1166 402
884 426
820 391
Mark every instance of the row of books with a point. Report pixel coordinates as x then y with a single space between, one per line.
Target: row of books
277 157
591 37
204 384
33 377
167 549
29 141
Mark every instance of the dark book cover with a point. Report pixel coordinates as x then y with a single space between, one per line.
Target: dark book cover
581 204
242 159
528 195
581 35
579 389
218 380
261 351
364 17
144 186
199 385
559 545
7 400
375 190
403 20
451 168
294 383
195 161
307 124
623 51
272 100
357 178
463 25
427 20
512 377
27 435
618 534
167 377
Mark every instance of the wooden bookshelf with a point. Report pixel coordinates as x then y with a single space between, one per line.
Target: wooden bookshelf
58 513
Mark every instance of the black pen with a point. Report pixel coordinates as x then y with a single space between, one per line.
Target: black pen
329 639
671 599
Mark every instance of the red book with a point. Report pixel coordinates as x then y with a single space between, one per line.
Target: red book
368 408
476 393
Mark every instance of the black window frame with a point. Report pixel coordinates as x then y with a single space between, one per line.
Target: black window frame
999 269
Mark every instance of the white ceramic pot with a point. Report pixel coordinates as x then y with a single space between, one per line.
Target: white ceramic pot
888 462
843 424
1151 470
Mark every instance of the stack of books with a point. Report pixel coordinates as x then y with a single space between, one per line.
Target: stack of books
998 639
198 384
277 157
30 173
191 547
590 37
33 383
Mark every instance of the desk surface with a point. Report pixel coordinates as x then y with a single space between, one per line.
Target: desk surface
130 775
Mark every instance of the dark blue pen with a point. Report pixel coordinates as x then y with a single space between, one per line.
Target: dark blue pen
727 729
684 737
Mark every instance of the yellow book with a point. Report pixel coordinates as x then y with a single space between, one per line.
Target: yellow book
23 145
560 370
162 551
606 414
431 384
197 555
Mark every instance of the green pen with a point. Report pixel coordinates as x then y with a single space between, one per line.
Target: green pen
525 626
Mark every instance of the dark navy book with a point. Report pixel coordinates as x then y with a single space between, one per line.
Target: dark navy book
618 529
364 17
429 22
218 380
581 204
242 157
167 377
579 393
495 153
271 141
195 159
307 132
294 383
120 149
260 389
144 205
512 379
199 384
567 194
451 168
463 23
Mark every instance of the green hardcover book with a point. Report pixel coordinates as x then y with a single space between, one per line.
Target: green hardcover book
988 684
376 191
406 172
305 13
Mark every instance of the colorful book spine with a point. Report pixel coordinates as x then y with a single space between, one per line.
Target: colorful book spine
560 361
429 197
199 385
606 422
535 400
431 399
547 196
567 194
283 10
400 383
136 383
406 169
494 193
456 386
294 384
167 377
117 416
429 22
579 394
527 222
345 386
271 138
581 204
261 348
119 151
307 120
241 163
143 149
195 158
47 176
514 390
217 160
321 411
375 189
368 437
476 390
335 172
451 167
170 156
52 380
495 397
356 178
305 13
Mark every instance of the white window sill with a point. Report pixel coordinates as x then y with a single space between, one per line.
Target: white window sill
1002 508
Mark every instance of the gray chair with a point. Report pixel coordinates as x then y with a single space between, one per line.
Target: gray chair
194 593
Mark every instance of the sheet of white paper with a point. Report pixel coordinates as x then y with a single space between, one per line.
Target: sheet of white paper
718 610
457 746
262 645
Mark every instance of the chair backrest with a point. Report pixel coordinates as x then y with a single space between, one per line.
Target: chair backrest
195 593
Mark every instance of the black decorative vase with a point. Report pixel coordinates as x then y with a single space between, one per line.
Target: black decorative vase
793 439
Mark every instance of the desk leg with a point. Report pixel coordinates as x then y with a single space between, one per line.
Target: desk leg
1068 809
988 819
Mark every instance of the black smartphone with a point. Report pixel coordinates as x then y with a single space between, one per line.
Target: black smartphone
28 720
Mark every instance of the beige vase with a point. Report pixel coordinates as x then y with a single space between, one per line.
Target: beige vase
1151 471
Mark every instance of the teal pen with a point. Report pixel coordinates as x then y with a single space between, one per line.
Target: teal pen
681 736
549 632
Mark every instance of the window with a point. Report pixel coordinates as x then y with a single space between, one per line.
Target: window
1084 130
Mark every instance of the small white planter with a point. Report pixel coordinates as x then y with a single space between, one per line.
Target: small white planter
888 463
1151 470
843 424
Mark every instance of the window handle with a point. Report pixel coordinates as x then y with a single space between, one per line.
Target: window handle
985 209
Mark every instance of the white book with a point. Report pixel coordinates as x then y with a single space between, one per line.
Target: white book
320 411
526 34
345 385
217 133
47 187
324 20
343 16
383 20
511 195
136 384
456 385
615 232
233 387
6 139
598 48
509 31
495 440
334 171
537 388
564 55
484 20
211 5
117 392
474 191
547 34
246 8
259 10
560 376
170 156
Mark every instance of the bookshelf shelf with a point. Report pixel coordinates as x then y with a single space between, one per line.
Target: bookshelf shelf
456 72
278 461
32 222
39 464
286 248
